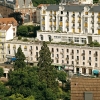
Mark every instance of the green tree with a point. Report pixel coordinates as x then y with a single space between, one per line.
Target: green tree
3 90
62 76
20 57
1 72
95 1
22 30
47 73
23 82
17 16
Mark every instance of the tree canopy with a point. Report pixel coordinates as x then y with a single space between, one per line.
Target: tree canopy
20 57
47 72
17 16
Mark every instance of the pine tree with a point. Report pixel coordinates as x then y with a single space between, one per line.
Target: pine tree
47 73
20 57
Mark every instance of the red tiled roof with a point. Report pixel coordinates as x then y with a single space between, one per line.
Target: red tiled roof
8 21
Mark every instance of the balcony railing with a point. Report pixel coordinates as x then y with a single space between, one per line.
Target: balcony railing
83 54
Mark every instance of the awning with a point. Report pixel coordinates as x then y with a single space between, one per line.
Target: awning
13 59
95 71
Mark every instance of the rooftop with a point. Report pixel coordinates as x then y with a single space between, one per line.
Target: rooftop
8 21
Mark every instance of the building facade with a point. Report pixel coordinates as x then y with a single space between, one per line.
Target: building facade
78 59
70 22
27 9
8 27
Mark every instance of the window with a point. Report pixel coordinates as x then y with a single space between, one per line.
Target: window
52 54
62 61
72 57
89 63
61 12
89 52
57 61
37 54
67 62
83 63
96 64
72 62
53 60
88 96
57 49
77 51
76 39
67 13
83 40
62 55
57 55
96 59
8 51
49 37
31 47
67 50
67 56
41 37
89 58
60 18
52 50
83 58
77 62
77 57
36 48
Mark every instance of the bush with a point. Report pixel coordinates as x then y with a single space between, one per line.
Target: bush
19 37
25 39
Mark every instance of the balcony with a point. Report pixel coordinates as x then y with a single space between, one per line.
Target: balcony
43 23
98 22
92 22
67 58
60 23
77 60
73 26
79 21
98 27
72 53
92 15
83 54
98 16
62 52
89 61
73 21
79 27
50 20
92 27
85 25
73 15
79 16
56 57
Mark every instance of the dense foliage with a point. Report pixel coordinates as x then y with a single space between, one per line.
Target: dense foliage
27 31
17 16
37 82
37 2
20 57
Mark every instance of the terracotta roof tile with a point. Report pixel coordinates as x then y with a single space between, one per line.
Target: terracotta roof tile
8 21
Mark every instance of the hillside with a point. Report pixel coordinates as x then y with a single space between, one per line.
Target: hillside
37 2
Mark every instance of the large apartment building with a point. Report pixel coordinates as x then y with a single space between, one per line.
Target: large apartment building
77 22
79 59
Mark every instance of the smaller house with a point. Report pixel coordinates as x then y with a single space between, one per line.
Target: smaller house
8 26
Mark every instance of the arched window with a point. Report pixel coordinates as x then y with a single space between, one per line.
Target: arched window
41 37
